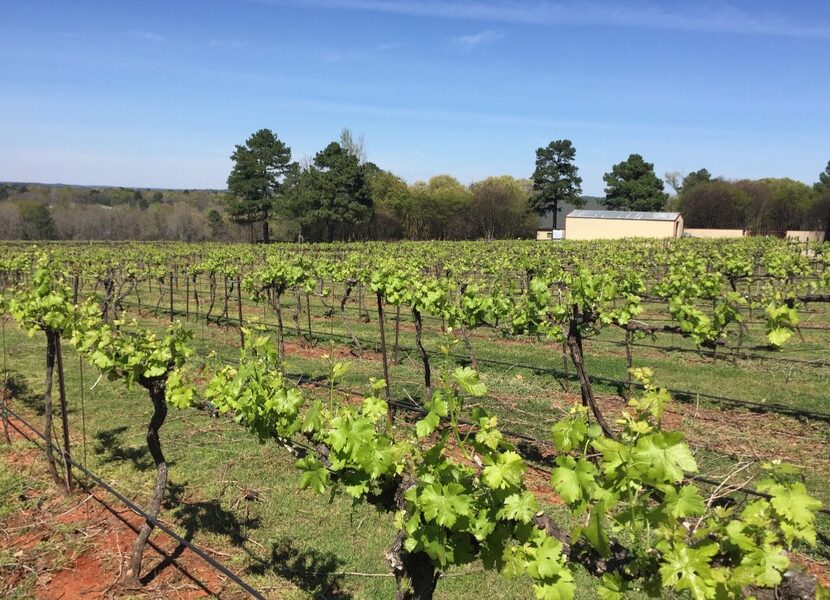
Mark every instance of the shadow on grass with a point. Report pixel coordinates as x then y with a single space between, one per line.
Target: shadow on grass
310 570
18 388
109 446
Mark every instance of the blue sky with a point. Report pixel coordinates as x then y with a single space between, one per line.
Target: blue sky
156 94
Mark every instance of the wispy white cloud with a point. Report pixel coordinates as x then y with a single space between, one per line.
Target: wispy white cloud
470 41
714 17
150 36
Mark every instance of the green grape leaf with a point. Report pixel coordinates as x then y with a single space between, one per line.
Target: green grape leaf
519 507
314 475
503 471
569 434
444 504
686 568
792 502
663 457
686 502
573 480
468 380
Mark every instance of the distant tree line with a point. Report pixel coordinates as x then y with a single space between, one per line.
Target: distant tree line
64 212
339 195
763 205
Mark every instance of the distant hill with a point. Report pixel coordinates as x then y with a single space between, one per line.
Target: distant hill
103 195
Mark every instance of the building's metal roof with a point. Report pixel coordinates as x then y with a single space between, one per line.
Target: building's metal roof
623 214
565 208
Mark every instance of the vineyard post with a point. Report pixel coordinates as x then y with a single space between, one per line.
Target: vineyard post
628 362
67 457
187 296
196 297
308 317
381 325
47 407
239 309
227 295
171 295
6 393
397 333
276 296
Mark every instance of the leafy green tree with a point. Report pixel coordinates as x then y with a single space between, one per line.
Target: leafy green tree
216 223
438 209
499 208
692 179
786 205
715 205
820 211
390 196
823 183
37 222
555 179
632 185
331 199
158 197
255 183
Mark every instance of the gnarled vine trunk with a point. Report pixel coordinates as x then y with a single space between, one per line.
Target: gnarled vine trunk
419 330
574 342
415 574
156 388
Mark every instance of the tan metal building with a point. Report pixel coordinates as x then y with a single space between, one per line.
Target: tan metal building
616 224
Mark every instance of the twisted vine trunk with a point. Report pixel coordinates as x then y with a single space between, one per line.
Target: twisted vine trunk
349 287
419 330
574 342
156 388
298 312
51 354
415 574
468 345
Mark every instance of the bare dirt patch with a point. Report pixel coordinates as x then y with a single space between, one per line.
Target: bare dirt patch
77 546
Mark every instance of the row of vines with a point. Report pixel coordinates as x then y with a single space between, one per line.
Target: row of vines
444 470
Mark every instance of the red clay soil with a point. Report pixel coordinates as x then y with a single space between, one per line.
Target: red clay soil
78 546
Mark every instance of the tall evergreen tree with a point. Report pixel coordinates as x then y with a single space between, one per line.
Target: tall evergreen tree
632 185
256 181
823 183
332 199
555 179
